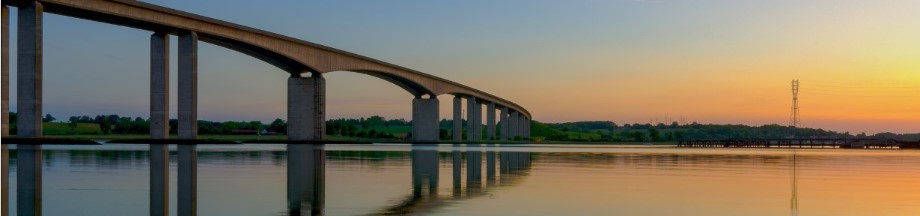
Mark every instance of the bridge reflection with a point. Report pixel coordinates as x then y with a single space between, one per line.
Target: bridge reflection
425 163
306 171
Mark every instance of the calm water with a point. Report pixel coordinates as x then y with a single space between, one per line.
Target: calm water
484 180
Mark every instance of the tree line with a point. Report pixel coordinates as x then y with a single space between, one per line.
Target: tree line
610 131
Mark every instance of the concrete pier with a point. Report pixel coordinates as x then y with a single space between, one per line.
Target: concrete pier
29 71
159 85
188 85
526 127
6 84
187 191
473 119
521 125
28 180
513 124
159 179
505 125
306 107
457 131
425 119
306 181
490 121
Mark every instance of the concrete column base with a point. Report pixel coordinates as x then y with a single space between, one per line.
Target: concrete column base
490 121
425 119
513 124
159 86
457 130
29 71
306 108
505 125
188 85
6 78
473 119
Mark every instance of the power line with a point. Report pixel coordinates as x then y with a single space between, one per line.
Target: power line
794 119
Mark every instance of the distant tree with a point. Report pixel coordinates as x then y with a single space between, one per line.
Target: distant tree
654 135
48 118
442 134
278 125
372 133
72 124
637 136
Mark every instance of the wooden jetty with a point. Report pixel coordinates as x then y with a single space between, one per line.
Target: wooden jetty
799 143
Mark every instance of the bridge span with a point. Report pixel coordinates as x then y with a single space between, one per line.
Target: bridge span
305 61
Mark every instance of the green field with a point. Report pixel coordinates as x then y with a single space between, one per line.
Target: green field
58 128
395 130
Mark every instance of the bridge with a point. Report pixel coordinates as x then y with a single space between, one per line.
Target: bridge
305 61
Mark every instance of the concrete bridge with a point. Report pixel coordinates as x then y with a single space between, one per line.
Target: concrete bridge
305 61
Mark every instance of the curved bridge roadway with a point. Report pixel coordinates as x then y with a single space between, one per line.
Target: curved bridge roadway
306 94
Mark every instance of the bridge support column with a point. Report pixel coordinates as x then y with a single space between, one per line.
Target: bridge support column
159 85
513 124
188 85
473 119
425 119
6 81
306 179
490 121
29 71
306 107
457 131
505 124
520 127
526 127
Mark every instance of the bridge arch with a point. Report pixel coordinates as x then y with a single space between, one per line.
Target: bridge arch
414 88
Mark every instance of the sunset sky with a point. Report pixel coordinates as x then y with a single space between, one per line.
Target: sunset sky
627 61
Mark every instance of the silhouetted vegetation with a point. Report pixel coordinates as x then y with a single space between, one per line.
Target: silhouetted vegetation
611 132
377 127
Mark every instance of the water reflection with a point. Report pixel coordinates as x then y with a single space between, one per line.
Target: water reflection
473 169
29 179
425 171
426 179
188 180
159 180
306 179
5 169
